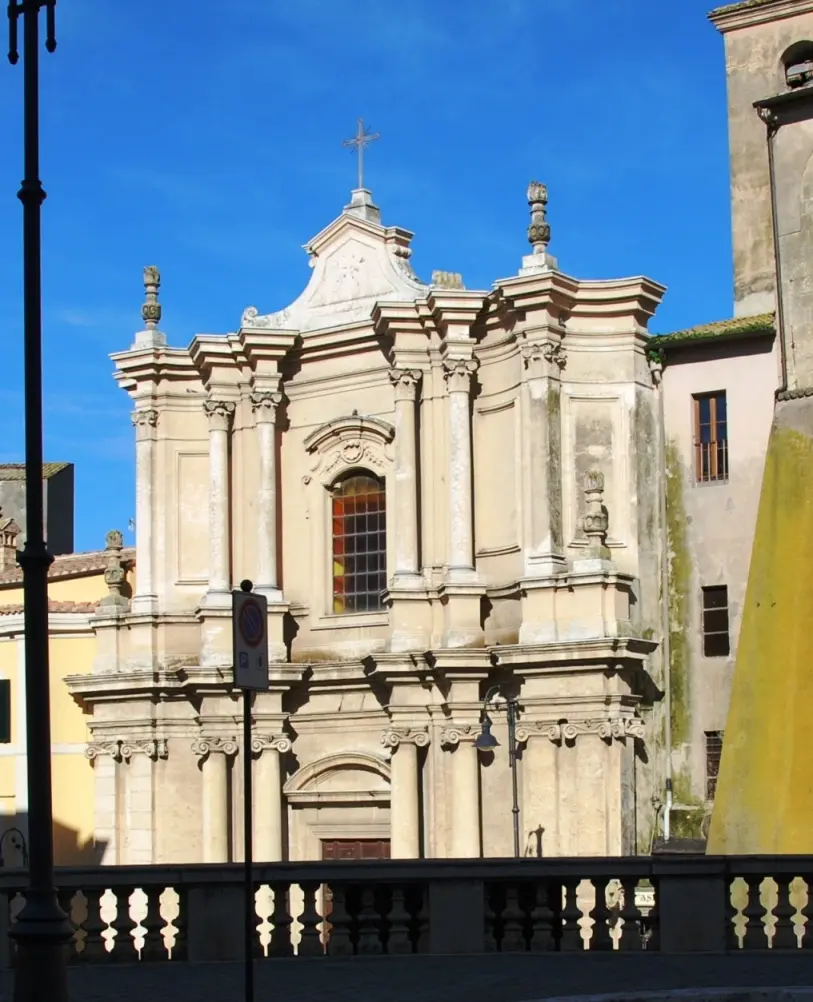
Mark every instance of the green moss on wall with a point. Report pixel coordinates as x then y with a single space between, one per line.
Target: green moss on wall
679 589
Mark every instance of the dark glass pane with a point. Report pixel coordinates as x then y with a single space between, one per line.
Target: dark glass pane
704 410
720 406
716 645
705 433
715 597
715 621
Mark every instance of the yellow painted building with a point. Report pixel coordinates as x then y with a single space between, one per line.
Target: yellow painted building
77 584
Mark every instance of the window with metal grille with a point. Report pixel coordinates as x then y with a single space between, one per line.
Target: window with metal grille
359 543
5 711
714 752
716 640
710 437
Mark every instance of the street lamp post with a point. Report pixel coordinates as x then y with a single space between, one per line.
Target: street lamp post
41 931
487 742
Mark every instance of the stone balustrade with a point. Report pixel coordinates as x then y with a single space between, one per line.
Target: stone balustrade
193 913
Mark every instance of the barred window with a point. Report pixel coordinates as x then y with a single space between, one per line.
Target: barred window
710 437
359 543
714 752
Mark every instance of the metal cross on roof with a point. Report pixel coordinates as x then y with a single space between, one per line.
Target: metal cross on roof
358 142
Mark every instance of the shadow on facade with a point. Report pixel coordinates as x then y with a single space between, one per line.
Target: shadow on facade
70 848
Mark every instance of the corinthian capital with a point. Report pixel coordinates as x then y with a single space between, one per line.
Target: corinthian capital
458 372
264 403
405 382
219 413
145 419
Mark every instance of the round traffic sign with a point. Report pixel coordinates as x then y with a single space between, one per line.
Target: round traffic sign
251 623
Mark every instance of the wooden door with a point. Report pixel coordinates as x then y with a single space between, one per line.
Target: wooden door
353 850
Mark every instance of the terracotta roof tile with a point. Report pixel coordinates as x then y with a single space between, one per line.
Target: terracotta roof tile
83 607
16 471
71 565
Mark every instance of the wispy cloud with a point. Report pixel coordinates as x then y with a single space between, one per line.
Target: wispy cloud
96 319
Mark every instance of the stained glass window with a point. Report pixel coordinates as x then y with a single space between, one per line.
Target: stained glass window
359 513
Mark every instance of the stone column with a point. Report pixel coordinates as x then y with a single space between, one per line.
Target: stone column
544 548
105 757
145 421
138 817
268 813
407 567
214 753
458 373
265 406
220 414
405 815
465 791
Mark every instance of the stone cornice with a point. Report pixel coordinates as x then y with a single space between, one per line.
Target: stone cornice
734 16
609 729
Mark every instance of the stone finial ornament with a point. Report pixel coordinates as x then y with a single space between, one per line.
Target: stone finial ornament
539 230
114 575
151 310
9 531
595 521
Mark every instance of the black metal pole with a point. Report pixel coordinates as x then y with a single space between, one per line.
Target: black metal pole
248 848
512 759
41 931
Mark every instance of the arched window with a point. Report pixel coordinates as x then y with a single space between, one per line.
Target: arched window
359 512
798 64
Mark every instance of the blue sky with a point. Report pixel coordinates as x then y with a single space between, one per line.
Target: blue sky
206 138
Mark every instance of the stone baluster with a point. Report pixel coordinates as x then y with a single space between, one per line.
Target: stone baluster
265 405
145 420
405 815
268 816
214 753
407 568
458 373
219 413
465 790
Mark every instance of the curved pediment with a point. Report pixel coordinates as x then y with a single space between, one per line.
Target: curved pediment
356 264
352 427
345 776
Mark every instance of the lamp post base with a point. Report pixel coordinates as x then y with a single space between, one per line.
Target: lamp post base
41 934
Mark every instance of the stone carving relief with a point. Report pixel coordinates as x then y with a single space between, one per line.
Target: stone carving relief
607 728
348 442
270 742
458 373
121 750
350 273
264 404
544 358
456 734
219 412
145 419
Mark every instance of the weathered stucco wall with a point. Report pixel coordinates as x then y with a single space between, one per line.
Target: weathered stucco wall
710 533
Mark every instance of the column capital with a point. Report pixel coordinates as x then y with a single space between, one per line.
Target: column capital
405 381
458 373
145 419
543 358
609 729
395 736
121 750
458 734
264 403
203 747
219 412
279 743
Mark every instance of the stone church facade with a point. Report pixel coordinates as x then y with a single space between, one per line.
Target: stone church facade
439 490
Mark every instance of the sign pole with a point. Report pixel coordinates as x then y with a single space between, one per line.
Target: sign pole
248 847
250 633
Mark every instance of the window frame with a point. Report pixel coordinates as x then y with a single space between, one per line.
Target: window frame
722 443
709 609
5 711
381 551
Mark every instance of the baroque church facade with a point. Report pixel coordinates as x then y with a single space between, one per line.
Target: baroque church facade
444 491
439 490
